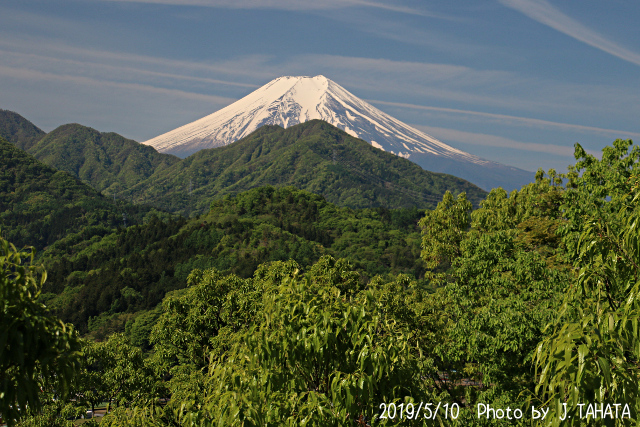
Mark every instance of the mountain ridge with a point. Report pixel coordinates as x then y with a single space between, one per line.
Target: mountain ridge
40 205
313 156
19 131
291 100
107 161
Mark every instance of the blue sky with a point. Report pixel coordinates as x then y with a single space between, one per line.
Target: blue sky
515 81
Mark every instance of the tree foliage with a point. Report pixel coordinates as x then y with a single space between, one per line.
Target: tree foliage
18 130
312 156
37 351
531 302
107 162
592 350
285 347
93 282
39 205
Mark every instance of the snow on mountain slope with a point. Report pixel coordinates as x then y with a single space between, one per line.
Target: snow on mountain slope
287 101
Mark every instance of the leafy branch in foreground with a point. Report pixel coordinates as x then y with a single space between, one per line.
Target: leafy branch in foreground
592 353
37 351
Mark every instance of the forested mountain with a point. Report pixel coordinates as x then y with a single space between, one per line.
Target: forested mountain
108 162
290 100
39 205
18 130
313 156
527 304
101 283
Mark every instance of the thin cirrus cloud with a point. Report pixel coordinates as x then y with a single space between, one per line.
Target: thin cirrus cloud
27 74
101 68
443 133
496 141
514 119
289 5
442 81
51 61
545 13
245 68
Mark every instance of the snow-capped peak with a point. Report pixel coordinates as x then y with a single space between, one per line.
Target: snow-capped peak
289 100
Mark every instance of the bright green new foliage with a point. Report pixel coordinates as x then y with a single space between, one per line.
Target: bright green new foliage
498 286
592 352
286 347
443 229
323 353
530 300
37 351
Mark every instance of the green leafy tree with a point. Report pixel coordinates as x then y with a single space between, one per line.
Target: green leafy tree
443 230
139 329
497 286
91 389
286 348
199 324
126 378
323 353
195 322
37 351
55 413
591 353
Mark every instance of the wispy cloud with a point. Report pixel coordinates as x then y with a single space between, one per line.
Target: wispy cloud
406 31
468 87
290 5
433 80
397 8
363 15
374 78
515 119
51 61
237 68
545 13
412 80
27 74
494 141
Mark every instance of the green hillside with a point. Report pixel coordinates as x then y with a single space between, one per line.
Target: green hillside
99 284
18 130
108 162
278 305
313 156
39 205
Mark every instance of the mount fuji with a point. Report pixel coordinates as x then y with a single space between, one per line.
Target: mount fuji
287 101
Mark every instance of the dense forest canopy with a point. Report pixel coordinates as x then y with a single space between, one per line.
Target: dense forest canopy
87 277
108 162
40 205
313 156
18 130
529 301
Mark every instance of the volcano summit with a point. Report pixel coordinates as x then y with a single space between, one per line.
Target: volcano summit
287 101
